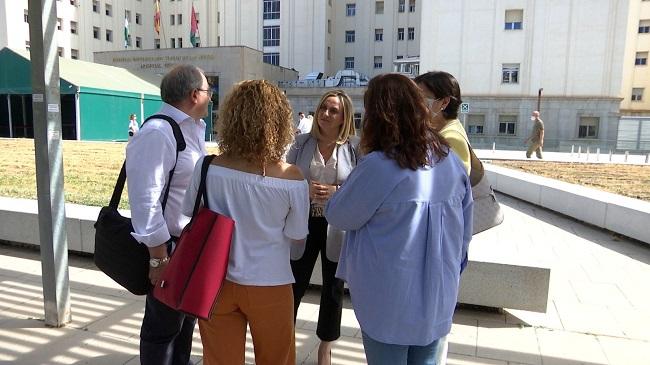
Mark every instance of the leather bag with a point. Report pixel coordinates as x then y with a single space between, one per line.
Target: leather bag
117 253
195 273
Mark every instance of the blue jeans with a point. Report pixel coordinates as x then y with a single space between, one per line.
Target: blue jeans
379 353
165 336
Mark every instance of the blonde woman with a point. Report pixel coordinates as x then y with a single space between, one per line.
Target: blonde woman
326 156
268 199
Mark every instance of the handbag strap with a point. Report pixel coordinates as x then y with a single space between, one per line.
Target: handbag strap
477 170
180 146
202 192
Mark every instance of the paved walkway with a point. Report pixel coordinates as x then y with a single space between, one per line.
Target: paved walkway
599 309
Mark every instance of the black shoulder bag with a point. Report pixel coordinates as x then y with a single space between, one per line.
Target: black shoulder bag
117 253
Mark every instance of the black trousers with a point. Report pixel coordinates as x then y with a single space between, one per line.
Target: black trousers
331 298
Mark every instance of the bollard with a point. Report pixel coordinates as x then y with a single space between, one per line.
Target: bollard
627 153
597 153
610 155
494 147
647 158
579 151
572 147
587 156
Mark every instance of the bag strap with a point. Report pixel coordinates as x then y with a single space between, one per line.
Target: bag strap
180 146
202 193
477 170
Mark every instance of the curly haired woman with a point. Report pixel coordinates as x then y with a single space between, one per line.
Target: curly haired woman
268 199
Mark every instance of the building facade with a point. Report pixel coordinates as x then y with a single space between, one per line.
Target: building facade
636 70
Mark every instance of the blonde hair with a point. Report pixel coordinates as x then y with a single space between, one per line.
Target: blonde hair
255 122
347 128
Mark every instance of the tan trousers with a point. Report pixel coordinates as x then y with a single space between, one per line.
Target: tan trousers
534 147
269 312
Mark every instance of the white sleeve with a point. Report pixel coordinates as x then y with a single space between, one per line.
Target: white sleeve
295 226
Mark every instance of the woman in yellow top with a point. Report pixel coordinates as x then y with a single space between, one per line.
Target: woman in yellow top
442 92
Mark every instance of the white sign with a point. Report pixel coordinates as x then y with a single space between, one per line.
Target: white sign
52 108
464 108
37 98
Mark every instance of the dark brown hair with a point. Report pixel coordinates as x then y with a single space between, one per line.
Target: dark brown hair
442 84
397 122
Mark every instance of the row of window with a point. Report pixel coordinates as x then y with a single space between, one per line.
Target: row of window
351 8
507 125
350 35
74 53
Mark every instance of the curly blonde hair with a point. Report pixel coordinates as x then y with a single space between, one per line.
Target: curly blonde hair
255 122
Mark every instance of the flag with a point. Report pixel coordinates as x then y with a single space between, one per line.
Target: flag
126 33
194 29
156 16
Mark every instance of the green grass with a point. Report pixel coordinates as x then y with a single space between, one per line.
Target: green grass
90 170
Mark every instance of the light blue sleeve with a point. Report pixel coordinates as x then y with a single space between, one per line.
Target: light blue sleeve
366 188
468 210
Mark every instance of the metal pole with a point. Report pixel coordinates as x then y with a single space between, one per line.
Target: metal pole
46 103
539 98
11 127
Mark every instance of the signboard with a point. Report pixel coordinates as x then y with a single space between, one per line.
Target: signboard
464 108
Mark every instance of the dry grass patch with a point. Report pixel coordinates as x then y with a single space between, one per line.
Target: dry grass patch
628 180
90 170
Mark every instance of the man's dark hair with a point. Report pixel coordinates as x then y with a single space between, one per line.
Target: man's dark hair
180 82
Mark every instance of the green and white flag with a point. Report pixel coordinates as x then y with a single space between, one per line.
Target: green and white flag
127 41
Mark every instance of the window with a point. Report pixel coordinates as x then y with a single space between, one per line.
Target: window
73 2
401 6
109 35
514 19
173 42
329 53
218 41
271 9
60 50
644 26
26 16
179 20
109 9
180 42
95 6
411 6
588 127
350 9
641 58
357 120
475 123
399 57
349 36
58 23
272 58
28 45
74 54
271 36
156 43
138 42
400 34
379 7
329 26
379 35
510 73
95 32
349 63
378 62
138 18
411 34
508 125
637 94
172 19
73 27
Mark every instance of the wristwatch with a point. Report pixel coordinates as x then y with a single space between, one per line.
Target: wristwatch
157 262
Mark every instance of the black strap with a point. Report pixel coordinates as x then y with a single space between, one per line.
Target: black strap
180 146
202 192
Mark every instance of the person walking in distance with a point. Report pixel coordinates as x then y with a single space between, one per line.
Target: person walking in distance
536 138
166 335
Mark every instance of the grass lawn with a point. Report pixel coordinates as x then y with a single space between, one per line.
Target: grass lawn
628 180
90 170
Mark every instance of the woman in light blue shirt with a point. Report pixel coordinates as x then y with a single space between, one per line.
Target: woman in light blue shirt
407 209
